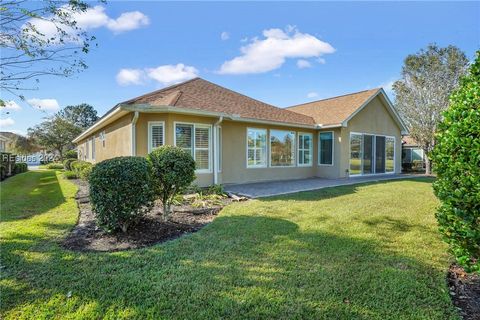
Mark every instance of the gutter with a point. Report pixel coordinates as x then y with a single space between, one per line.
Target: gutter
216 149
134 134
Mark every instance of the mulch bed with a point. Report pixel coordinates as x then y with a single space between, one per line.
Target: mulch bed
150 230
465 292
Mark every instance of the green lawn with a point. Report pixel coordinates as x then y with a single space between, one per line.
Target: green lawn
357 252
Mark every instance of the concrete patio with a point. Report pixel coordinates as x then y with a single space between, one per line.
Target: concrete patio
274 188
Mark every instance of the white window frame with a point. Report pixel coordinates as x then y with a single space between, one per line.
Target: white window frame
303 149
87 150
333 150
375 135
266 148
150 125
92 141
197 125
295 154
102 138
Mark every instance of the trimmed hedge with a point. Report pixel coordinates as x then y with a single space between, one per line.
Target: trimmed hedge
55 166
70 175
121 191
81 168
456 157
67 164
20 168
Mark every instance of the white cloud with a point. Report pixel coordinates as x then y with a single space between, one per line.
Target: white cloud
127 77
44 104
244 39
93 18
12 105
321 61
224 35
270 53
302 64
312 95
6 122
166 74
171 74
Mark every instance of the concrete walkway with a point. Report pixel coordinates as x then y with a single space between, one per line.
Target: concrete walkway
274 188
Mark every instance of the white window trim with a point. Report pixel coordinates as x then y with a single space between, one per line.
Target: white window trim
374 154
310 149
266 148
333 150
294 165
92 142
150 125
197 125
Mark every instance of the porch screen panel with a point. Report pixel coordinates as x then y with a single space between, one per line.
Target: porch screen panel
379 154
184 137
367 154
389 155
202 148
355 154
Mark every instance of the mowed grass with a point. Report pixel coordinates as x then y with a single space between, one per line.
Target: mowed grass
367 251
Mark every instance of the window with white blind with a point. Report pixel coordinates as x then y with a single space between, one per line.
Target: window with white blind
305 149
256 148
196 139
156 134
93 147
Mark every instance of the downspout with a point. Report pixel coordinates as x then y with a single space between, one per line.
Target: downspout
134 135
216 150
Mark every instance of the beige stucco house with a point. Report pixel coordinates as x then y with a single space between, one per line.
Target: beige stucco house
237 139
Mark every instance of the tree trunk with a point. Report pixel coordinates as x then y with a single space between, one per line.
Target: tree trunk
428 166
166 211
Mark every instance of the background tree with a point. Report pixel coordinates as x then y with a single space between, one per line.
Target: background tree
457 162
428 79
23 145
40 38
82 115
55 134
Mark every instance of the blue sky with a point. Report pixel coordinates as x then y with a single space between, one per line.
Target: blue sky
293 52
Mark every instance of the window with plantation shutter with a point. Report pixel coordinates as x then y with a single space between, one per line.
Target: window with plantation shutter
196 140
156 135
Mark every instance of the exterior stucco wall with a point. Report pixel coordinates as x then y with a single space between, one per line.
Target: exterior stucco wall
373 119
117 141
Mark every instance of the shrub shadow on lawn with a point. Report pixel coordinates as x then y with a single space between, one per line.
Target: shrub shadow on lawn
236 267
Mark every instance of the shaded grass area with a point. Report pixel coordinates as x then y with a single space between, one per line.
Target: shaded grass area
366 251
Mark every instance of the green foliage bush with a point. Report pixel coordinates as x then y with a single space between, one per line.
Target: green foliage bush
70 175
82 169
456 158
173 171
121 191
3 172
20 168
55 166
67 163
71 154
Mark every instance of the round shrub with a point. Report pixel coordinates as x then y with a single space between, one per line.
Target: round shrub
456 159
69 175
81 168
121 192
67 164
70 154
173 170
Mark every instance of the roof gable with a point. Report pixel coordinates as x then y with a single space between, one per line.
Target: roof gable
206 96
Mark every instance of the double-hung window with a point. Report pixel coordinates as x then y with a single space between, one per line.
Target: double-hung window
325 148
305 145
282 148
256 148
93 147
196 139
156 135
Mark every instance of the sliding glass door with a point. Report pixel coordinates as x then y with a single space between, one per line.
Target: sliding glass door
371 154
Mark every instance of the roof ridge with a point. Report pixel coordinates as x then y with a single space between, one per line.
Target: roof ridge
241 94
334 97
160 90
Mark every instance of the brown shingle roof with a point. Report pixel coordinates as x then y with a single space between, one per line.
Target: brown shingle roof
334 111
204 95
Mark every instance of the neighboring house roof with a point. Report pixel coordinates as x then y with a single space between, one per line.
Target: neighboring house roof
408 141
206 96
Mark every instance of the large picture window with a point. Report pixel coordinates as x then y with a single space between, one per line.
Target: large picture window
305 146
196 140
282 148
256 148
325 148
156 135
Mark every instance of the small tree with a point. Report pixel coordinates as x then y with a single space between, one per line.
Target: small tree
457 161
82 115
173 170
